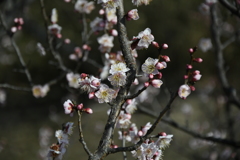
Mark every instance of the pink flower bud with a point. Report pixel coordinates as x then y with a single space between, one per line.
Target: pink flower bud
162 134
129 101
88 110
128 116
198 60
159 75
189 66
83 75
146 84
114 146
165 58
114 32
140 133
159 66
164 46
80 106
185 76
196 72
14 29
155 44
196 77
190 50
59 35
192 88
151 76
101 12
156 83
135 82
91 95
67 41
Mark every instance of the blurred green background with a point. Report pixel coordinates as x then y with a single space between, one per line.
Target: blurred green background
24 118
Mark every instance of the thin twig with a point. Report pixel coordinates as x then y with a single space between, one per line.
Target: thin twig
230 7
192 133
136 94
81 139
15 87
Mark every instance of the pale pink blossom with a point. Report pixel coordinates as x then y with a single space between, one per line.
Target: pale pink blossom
184 91
73 79
68 106
205 44
118 79
118 67
83 6
143 40
105 94
132 14
156 83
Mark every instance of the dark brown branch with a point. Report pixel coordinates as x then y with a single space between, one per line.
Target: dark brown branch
230 7
216 33
103 148
81 139
192 133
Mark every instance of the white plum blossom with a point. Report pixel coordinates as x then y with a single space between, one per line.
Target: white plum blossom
68 106
149 67
146 128
146 151
184 91
205 44
106 40
118 67
131 107
83 6
118 79
40 91
133 14
105 94
144 39
164 141
123 120
89 83
61 136
73 80
97 24
111 14
54 29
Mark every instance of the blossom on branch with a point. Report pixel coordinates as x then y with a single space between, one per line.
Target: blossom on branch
184 91
40 91
143 40
73 80
83 6
149 67
105 94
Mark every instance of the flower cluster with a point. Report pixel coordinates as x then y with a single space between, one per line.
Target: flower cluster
150 150
191 77
151 68
118 74
69 108
18 22
88 83
58 149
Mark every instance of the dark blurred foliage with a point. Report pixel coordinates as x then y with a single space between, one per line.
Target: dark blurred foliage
177 23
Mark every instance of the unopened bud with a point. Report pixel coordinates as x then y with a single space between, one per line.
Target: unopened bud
129 101
101 12
162 134
185 76
189 66
67 41
159 75
146 84
164 46
192 88
198 60
91 95
155 44
88 110
165 58
114 32
151 76
80 106
190 50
